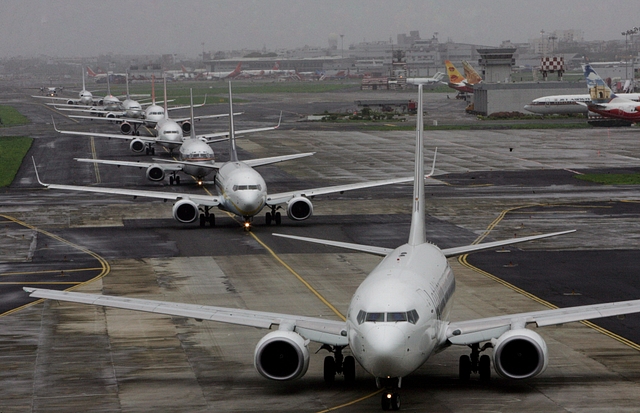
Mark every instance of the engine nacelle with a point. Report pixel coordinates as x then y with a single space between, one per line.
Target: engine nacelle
282 355
110 115
186 126
125 128
137 145
185 211
299 208
70 102
520 354
155 173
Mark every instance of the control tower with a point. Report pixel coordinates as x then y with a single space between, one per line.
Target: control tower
496 64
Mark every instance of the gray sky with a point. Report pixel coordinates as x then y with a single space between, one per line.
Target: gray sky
92 27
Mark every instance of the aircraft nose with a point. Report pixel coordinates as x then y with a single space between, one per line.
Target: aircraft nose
385 348
249 202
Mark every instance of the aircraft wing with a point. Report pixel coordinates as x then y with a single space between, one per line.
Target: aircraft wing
347 245
483 329
455 251
104 118
162 163
205 200
108 135
320 330
204 117
274 199
276 159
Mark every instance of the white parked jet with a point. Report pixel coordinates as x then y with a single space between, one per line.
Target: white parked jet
84 96
397 318
427 81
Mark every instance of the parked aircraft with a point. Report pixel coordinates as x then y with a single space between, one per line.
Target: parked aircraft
241 190
397 318
427 81
567 104
606 103
220 75
470 73
94 75
457 81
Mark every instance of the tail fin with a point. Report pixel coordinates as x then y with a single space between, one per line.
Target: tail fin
233 153
193 123
417 234
166 105
598 89
90 72
438 76
470 73
236 71
454 75
153 89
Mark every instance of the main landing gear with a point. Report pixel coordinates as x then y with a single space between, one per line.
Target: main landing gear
150 150
338 364
206 216
474 363
390 398
174 179
273 216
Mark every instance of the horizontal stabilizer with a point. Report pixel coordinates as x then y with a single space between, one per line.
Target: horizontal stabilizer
356 247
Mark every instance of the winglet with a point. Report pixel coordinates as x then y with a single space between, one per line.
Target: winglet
37 176
433 165
279 120
54 126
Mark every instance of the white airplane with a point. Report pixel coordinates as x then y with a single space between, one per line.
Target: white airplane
567 104
169 133
241 190
397 318
84 96
195 158
428 81
606 103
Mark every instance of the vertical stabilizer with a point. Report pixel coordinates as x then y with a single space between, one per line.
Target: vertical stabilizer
233 154
470 73
153 89
193 123
126 80
166 106
454 75
598 89
83 84
417 234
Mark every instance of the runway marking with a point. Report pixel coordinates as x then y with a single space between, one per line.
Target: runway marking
104 267
5 274
463 261
351 403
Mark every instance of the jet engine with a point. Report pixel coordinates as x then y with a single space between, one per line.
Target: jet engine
520 354
155 173
70 102
137 145
299 208
185 211
110 115
282 355
186 126
125 128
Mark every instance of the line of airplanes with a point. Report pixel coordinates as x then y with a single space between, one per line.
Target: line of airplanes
398 316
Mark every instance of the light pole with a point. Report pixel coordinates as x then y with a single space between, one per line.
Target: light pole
626 35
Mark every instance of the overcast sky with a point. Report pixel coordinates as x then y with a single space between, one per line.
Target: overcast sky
92 27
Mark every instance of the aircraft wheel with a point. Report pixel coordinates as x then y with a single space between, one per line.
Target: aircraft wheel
329 369
465 367
278 218
390 401
153 151
171 180
203 220
485 368
177 180
147 151
267 218
349 369
212 220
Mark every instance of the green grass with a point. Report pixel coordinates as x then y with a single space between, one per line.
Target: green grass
11 117
12 150
611 179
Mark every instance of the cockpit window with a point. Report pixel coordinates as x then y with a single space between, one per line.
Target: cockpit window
247 187
392 317
375 317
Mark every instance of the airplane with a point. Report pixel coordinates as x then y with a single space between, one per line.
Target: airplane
567 104
84 96
94 75
195 158
457 81
241 190
606 103
398 316
169 133
430 81
220 75
470 73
